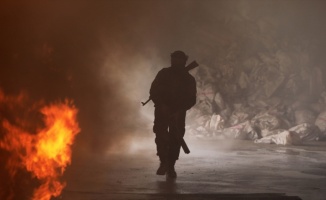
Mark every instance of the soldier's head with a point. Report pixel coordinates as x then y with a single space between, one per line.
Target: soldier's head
178 59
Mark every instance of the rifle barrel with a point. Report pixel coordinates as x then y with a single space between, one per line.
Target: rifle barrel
184 146
144 103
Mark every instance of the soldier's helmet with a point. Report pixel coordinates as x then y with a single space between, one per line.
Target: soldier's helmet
179 54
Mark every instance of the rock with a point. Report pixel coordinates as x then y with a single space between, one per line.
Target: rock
237 118
241 131
321 122
284 137
216 122
266 122
304 116
306 132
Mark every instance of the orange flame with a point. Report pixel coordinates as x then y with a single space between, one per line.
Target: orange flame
44 154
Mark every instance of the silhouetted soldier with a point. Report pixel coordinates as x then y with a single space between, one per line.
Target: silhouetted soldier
173 92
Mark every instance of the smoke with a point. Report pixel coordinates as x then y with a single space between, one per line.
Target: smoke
104 54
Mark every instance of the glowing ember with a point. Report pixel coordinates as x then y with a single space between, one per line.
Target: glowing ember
44 154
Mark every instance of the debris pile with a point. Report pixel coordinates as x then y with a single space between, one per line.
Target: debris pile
265 111
271 96
264 104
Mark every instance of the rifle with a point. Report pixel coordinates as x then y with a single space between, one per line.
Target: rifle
189 67
184 145
180 140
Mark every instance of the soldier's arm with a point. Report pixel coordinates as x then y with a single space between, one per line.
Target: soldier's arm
156 88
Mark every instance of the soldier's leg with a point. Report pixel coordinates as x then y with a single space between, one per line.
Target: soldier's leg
176 129
160 129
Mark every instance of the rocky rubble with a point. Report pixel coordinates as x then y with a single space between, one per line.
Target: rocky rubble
256 107
262 120
275 97
257 80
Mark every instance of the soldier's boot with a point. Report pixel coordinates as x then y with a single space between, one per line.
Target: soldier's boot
162 169
171 173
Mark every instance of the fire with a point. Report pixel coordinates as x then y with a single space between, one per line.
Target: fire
46 153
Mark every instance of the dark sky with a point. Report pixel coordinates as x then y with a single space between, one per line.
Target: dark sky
105 53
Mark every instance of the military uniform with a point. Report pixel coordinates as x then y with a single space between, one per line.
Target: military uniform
173 92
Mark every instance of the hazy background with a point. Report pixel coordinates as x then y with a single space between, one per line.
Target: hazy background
105 53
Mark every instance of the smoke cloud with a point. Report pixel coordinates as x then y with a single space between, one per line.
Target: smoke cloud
105 54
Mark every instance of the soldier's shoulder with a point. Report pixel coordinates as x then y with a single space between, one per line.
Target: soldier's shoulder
190 76
165 70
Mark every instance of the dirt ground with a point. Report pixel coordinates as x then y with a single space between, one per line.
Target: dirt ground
215 169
